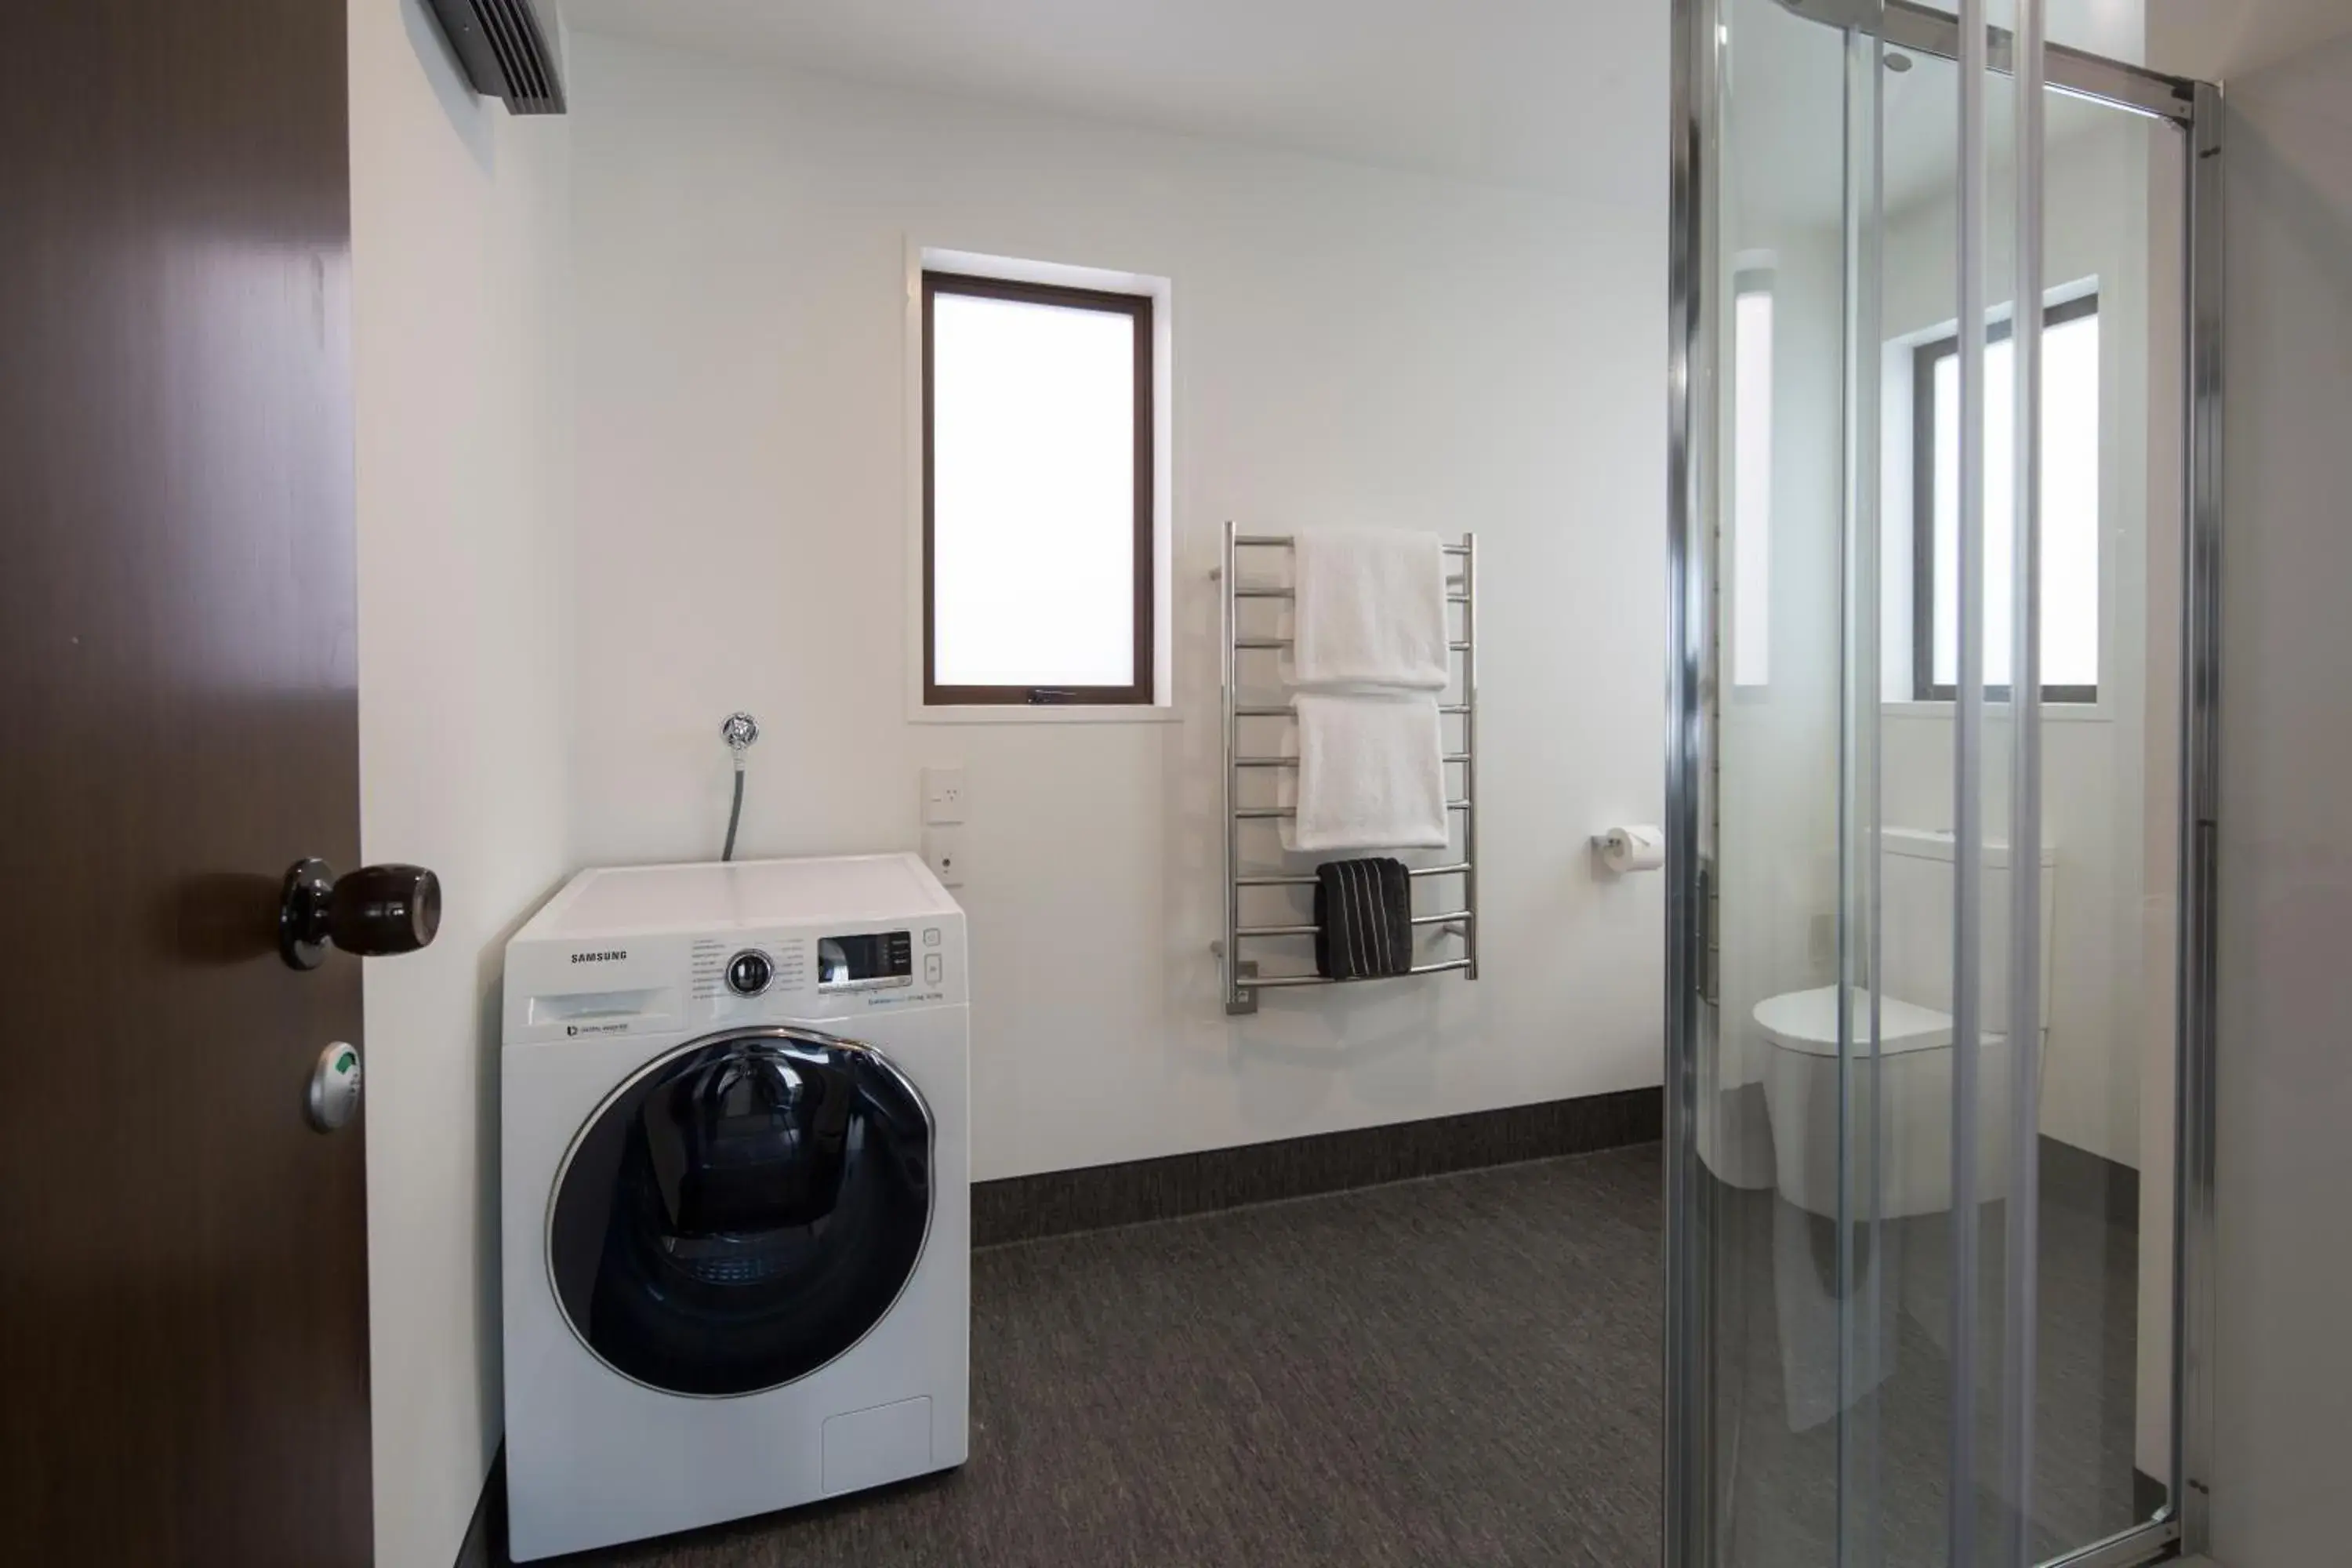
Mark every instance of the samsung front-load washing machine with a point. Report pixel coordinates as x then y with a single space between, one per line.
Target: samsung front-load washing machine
735 1194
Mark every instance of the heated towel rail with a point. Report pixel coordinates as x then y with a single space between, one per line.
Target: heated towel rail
1459 703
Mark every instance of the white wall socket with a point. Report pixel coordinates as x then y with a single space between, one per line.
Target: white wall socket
943 853
942 796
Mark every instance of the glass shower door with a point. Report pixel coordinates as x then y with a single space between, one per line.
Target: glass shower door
1774 1267
1924 792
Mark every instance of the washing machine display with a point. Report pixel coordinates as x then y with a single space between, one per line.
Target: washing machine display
874 962
742 1211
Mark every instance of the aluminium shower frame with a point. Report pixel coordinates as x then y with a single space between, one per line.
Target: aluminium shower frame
1691 756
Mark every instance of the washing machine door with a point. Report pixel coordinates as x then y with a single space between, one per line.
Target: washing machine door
742 1211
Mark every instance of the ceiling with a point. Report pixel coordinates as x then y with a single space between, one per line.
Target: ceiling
1566 96
2211 40
2116 28
1559 95
2220 39
1786 126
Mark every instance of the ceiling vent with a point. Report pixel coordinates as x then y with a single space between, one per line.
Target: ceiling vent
505 49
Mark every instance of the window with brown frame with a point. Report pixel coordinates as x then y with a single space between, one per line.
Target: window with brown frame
2070 509
1038 540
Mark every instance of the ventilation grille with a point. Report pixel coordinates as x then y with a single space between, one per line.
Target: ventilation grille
514 33
504 51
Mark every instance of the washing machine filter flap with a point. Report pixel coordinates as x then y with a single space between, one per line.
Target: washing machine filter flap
742 1211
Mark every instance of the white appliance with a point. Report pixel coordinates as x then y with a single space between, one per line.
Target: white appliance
1913 1156
735 1194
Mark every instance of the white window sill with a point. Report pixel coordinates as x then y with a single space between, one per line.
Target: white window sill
1046 713
2051 712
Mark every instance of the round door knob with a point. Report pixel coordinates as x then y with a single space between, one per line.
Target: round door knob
373 913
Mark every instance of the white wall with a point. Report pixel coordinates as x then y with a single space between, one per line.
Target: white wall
2223 43
1351 344
457 225
2282 1363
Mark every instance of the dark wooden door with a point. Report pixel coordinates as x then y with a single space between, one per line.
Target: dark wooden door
183 1260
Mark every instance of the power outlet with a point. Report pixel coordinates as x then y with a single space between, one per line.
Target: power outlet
942 796
943 853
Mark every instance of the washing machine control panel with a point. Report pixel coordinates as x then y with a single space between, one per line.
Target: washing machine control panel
808 975
583 977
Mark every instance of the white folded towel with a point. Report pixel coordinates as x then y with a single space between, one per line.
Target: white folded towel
1371 773
1370 609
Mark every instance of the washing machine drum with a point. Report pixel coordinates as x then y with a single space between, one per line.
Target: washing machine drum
742 1211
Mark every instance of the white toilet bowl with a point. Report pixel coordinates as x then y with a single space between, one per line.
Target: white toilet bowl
1911 1081
1907 1085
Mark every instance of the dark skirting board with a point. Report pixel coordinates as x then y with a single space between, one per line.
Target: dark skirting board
1057 1203
2090 1183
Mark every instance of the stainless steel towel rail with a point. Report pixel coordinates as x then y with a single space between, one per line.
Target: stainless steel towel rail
1242 980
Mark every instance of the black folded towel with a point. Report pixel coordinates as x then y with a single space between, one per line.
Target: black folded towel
1363 919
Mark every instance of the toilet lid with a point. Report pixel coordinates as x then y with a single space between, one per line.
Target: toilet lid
1807 1021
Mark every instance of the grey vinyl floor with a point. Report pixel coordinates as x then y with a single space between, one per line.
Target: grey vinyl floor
1776 1386
1461 1369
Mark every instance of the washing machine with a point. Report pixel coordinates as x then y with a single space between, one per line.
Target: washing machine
736 1202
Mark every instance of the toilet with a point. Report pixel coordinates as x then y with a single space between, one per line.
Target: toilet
1914 1069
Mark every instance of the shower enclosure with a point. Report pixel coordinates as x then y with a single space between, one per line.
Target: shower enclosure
1945 355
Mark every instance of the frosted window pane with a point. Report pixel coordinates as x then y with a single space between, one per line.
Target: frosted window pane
1948 513
1033 501
2070 503
1751 514
2070 507
2001 511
